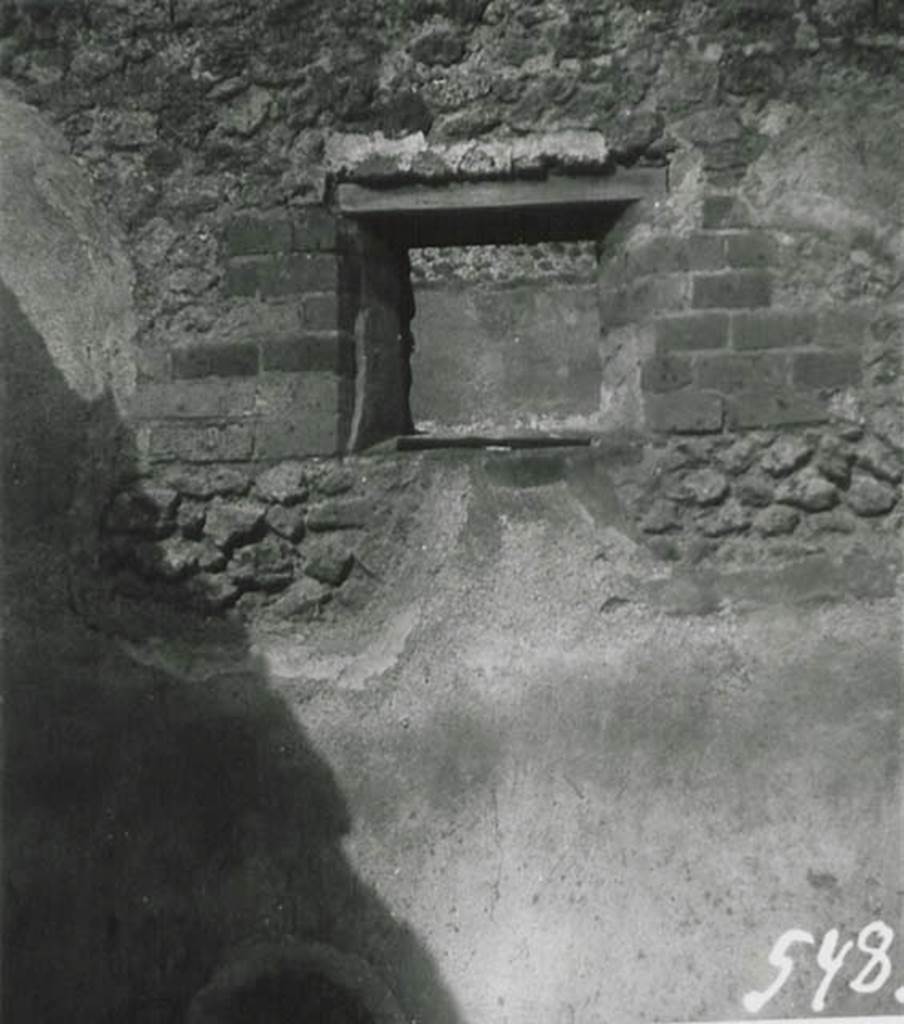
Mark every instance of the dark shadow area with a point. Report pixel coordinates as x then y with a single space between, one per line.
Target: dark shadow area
573 223
155 826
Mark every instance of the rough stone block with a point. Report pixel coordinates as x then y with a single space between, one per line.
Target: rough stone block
771 329
300 414
807 490
749 249
731 373
827 369
685 412
643 298
250 234
312 353
870 497
775 408
339 514
195 442
786 454
665 373
274 276
322 312
721 211
287 522
731 290
315 229
691 332
212 398
668 254
240 360
880 459
268 565
206 481
286 483
231 522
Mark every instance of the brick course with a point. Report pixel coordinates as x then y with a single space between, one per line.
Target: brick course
275 276
239 360
691 332
731 290
771 329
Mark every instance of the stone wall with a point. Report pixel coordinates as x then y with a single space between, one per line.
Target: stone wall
222 170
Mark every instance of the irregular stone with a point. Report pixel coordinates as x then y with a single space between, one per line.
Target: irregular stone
285 483
776 521
170 559
438 44
833 460
210 558
703 487
336 480
269 565
212 592
190 518
880 460
850 431
685 454
661 517
347 514
304 599
809 491
870 497
756 490
207 481
738 457
730 518
147 512
329 562
836 521
230 523
785 455
287 522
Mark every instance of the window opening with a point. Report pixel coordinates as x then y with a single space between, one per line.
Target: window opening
506 341
497 335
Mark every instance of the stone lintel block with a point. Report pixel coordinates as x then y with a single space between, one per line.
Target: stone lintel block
770 408
198 361
207 398
771 329
691 332
274 276
733 289
201 442
324 352
684 412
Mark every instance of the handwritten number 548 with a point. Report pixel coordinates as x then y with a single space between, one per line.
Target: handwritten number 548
874 941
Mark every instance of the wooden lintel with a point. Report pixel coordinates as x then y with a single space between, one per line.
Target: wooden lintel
406 200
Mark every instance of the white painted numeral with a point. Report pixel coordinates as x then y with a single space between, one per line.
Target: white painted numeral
778 957
830 962
878 958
